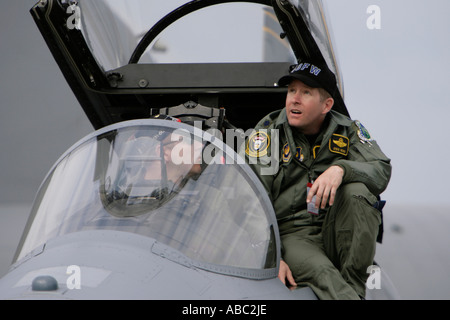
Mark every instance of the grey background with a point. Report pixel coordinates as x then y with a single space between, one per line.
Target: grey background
395 78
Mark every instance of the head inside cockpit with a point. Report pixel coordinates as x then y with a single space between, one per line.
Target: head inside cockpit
148 168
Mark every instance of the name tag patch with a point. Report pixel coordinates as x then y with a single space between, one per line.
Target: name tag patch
339 144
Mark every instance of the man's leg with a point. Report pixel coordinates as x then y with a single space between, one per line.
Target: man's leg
304 254
349 233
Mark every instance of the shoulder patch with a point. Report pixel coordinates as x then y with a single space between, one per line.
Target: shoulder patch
257 144
339 144
363 133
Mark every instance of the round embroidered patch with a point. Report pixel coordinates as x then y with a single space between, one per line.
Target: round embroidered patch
257 144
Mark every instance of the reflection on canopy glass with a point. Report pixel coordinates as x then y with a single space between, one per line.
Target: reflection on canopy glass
230 32
153 181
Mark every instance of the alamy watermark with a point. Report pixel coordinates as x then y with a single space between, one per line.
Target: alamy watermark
73 281
74 20
374 279
74 277
258 146
374 20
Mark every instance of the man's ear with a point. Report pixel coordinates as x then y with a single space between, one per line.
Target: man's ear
328 104
167 154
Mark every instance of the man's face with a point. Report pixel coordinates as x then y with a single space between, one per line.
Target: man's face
304 108
183 155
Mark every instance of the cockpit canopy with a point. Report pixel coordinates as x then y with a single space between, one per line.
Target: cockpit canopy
165 180
126 58
227 32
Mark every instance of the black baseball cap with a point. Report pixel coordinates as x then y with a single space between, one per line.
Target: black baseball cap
316 75
313 75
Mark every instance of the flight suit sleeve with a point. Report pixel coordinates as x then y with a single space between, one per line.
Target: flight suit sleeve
366 162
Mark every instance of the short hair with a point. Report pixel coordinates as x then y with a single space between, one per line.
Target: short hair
324 95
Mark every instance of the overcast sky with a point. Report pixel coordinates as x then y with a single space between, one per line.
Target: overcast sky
396 82
395 79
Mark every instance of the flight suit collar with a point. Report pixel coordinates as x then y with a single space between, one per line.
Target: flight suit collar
281 119
340 119
334 119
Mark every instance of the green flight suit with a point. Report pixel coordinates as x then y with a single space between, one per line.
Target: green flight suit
329 251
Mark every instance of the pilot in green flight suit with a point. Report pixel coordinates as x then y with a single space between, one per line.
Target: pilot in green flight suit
328 175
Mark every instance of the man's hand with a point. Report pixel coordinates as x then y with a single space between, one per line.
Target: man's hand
285 274
325 187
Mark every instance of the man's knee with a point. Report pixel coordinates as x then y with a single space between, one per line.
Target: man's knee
355 190
355 203
305 268
351 227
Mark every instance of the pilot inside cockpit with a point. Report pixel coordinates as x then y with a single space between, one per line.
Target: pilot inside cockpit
159 181
182 157
149 167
